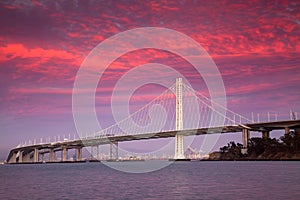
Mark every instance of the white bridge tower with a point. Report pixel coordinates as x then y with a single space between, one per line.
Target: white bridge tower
179 150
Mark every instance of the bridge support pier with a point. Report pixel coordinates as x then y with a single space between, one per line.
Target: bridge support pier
64 153
98 156
114 151
20 156
36 155
79 153
51 156
92 152
265 134
26 157
13 158
246 137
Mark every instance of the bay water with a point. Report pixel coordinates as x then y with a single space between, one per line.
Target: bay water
180 180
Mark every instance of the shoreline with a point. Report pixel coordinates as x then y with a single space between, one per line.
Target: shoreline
253 160
196 160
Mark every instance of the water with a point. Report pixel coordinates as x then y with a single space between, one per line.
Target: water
186 180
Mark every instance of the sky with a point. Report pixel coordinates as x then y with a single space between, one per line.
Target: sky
255 45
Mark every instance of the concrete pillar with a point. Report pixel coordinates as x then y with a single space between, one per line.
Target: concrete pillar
287 130
98 157
13 158
26 157
20 156
64 153
114 151
79 153
92 153
265 134
36 155
246 137
51 156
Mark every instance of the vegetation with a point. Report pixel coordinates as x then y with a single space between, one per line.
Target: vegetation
287 147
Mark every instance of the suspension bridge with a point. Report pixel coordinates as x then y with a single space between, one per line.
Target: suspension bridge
178 112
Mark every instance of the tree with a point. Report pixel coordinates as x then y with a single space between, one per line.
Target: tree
291 141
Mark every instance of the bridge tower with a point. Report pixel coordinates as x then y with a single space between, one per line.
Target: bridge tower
179 150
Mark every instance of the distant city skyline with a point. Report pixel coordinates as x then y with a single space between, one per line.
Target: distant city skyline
255 46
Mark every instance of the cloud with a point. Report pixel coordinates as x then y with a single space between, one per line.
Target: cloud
39 90
10 51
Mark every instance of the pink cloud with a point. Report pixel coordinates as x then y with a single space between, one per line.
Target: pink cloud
10 51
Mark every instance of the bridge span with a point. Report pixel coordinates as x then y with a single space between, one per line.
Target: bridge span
31 153
215 118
